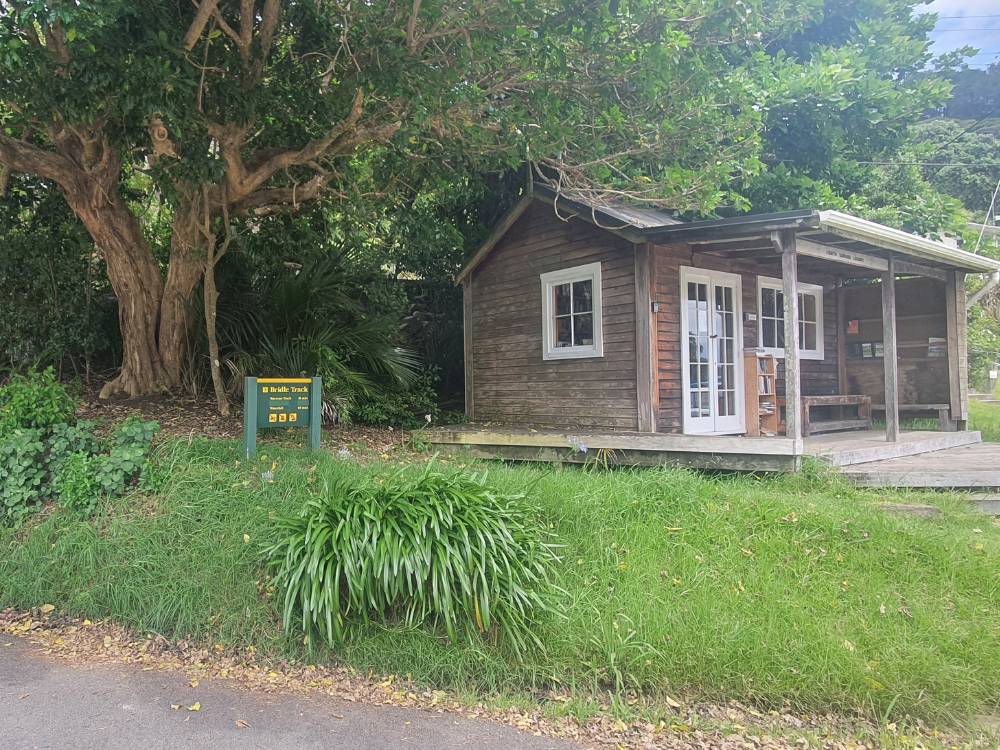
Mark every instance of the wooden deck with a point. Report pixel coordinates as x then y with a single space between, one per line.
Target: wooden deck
722 452
969 467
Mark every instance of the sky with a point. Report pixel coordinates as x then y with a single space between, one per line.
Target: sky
972 22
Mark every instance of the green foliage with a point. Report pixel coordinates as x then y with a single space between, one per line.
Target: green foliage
56 301
311 320
34 400
442 549
128 455
984 345
409 407
23 473
67 439
962 159
76 483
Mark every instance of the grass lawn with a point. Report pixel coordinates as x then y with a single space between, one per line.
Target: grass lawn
793 591
986 419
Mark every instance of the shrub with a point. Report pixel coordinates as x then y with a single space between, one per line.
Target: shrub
34 400
22 473
400 407
76 484
64 440
129 453
441 549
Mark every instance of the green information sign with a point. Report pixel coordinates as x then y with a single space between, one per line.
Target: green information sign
276 403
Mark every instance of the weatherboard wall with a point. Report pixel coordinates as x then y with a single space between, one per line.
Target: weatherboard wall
511 382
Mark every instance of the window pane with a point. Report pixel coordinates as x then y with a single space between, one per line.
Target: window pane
809 337
779 334
767 302
561 295
583 296
564 331
767 333
807 307
583 330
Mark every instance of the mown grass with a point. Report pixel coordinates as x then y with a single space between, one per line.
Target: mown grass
794 591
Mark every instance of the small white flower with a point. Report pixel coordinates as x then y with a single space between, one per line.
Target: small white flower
427 418
267 476
343 453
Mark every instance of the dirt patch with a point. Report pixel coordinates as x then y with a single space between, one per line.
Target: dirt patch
186 417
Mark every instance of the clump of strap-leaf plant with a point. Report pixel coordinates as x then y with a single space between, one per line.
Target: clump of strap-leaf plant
439 549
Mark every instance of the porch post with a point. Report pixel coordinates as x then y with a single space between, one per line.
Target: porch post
645 339
958 349
789 289
890 360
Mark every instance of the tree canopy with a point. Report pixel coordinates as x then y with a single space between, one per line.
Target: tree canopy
223 115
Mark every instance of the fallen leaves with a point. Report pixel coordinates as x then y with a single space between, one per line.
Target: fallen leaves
686 727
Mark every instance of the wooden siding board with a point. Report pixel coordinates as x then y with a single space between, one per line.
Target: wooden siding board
511 381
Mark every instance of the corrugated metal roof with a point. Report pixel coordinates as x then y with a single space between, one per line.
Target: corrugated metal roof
633 216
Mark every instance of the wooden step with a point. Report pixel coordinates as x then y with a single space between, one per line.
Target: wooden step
926 443
972 468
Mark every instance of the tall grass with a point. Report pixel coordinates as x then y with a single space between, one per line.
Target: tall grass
794 591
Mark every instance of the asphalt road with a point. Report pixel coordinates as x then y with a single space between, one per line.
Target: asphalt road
50 703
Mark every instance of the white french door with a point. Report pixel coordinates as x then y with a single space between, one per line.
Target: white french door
711 351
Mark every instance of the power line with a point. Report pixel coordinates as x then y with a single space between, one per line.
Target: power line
986 16
929 163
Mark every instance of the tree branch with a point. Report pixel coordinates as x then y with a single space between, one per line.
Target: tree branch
411 26
310 152
268 26
206 10
21 156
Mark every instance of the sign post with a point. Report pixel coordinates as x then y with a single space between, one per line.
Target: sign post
276 403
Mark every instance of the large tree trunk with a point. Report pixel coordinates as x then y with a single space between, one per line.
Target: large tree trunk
187 264
138 285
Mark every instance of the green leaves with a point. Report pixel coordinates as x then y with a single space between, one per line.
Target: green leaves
425 548
36 399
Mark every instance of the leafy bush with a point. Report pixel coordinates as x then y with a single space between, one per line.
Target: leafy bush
34 400
441 549
400 407
65 440
130 445
66 461
23 473
76 483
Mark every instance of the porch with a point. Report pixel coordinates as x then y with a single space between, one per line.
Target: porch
844 316
711 452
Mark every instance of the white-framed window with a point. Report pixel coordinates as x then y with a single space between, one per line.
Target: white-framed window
571 313
771 318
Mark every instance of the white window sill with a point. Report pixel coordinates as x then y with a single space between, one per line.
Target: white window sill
803 353
573 353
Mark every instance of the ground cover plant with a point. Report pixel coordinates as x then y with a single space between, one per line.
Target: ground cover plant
795 591
46 454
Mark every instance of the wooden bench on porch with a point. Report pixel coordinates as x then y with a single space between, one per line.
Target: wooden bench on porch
945 422
863 421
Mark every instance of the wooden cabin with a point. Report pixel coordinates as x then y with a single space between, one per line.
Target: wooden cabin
629 324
